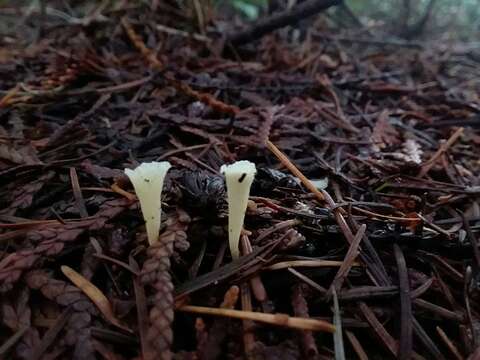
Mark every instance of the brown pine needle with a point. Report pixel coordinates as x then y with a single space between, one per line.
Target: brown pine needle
25 224
388 341
308 281
33 223
94 294
273 319
453 349
338 346
306 263
388 217
347 263
294 170
357 347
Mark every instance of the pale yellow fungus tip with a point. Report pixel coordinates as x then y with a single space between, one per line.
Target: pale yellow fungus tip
239 177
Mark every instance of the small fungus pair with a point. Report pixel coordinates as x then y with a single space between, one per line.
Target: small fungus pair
147 180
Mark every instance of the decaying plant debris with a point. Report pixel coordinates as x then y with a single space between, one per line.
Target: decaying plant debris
387 252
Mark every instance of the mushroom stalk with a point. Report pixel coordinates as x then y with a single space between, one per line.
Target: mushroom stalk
239 177
147 180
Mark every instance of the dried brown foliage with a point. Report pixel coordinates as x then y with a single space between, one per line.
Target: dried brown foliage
22 197
49 240
393 126
78 333
156 273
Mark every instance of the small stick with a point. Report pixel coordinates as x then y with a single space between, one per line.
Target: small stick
443 148
278 20
273 319
278 226
388 217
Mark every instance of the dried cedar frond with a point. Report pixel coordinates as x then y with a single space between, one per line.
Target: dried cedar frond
25 347
17 152
269 115
384 134
22 197
78 333
51 239
79 336
15 310
89 261
300 307
156 273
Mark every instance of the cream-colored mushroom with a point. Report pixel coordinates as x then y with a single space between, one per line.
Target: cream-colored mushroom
147 180
239 177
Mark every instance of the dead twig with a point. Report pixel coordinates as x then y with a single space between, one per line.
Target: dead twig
278 20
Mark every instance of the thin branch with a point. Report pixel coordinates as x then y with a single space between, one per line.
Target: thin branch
279 20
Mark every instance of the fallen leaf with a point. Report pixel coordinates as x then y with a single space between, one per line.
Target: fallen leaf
94 294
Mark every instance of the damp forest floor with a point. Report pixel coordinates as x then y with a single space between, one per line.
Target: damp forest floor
361 232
